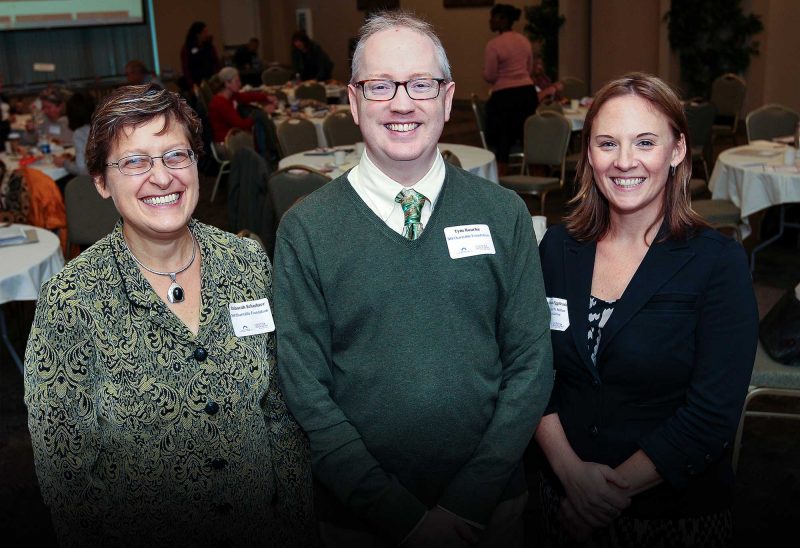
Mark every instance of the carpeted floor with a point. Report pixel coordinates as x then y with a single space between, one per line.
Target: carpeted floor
766 505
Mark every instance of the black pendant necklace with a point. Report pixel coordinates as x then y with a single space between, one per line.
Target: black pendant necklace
175 293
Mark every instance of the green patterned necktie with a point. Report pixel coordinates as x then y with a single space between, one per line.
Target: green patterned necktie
411 201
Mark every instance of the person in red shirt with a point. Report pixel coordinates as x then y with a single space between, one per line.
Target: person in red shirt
223 110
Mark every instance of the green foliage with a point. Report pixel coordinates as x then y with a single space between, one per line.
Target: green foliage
711 37
543 25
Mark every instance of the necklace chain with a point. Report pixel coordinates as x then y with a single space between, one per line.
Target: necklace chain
175 291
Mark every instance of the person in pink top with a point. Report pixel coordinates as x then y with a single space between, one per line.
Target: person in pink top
508 62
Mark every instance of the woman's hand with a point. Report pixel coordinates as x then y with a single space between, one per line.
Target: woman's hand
596 495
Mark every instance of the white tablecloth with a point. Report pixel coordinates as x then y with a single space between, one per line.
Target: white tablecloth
44 164
23 268
754 178
476 160
576 117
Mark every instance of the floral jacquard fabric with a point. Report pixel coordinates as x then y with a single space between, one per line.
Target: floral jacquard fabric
145 433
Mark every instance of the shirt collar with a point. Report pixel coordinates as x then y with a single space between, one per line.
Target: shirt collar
381 190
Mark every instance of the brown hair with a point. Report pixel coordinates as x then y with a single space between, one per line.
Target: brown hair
590 219
132 107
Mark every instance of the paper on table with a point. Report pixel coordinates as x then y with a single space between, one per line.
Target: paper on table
11 234
29 237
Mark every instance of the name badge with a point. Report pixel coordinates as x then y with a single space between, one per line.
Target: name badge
251 318
54 130
559 316
468 240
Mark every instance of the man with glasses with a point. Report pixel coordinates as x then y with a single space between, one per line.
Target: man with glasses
412 324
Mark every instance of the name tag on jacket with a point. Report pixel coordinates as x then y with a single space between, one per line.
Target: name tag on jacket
559 315
251 318
468 240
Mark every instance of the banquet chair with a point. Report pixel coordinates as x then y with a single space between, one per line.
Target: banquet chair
479 110
276 76
205 92
296 135
311 90
700 117
235 139
771 121
727 96
721 215
89 216
546 139
291 184
769 378
574 88
450 157
340 129
246 233
550 106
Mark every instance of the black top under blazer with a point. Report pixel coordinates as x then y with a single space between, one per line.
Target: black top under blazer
673 366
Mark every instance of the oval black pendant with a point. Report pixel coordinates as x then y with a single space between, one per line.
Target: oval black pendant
175 293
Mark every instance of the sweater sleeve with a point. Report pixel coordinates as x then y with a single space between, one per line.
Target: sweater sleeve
523 337
699 433
490 62
340 459
60 397
222 110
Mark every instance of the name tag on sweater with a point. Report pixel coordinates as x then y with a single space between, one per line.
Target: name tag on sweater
468 240
559 316
251 318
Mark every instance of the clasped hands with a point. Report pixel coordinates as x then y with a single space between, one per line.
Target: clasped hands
596 496
441 529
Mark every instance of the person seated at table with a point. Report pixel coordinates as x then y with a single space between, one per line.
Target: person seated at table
309 60
80 107
247 61
53 126
654 329
546 89
154 407
136 72
223 110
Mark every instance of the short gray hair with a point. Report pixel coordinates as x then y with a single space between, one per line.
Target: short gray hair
386 20
227 74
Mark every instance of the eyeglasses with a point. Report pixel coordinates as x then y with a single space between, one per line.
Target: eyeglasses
419 89
142 163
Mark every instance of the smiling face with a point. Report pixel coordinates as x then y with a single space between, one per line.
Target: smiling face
631 149
52 110
401 135
157 205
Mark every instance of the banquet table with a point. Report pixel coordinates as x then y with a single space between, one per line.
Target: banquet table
44 164
576 117
476 160
754 177
23 269
336 92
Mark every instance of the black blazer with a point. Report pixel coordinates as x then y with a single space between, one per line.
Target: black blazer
673 366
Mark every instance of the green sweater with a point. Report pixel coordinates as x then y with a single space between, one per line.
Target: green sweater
419 378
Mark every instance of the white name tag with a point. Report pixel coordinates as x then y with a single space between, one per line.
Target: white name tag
468 240
54 130
559 316
251 318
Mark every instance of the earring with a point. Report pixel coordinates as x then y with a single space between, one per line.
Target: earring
672 170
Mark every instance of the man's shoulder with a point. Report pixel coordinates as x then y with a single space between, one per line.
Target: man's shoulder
468 186
321 203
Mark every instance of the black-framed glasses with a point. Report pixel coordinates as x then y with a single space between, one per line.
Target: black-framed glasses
142 163
418 89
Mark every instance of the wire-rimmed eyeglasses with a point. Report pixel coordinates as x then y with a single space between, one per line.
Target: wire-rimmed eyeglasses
142 163
418 89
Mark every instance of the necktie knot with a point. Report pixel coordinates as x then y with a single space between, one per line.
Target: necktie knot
411 201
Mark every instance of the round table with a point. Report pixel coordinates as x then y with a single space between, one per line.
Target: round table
23 269
316 119
476 160
44 164
576 117
755 178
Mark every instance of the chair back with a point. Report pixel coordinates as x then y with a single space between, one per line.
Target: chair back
550 106
276 76
340 129
574 88
450 157
771 121
312 90
546 140
727 96
296 135
237 138
479 110
205 93
247 233
700 117
89 216
289 185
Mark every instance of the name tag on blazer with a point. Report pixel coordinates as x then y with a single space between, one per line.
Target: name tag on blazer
468 241
559 314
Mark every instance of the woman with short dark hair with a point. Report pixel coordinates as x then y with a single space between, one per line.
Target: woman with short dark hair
153 399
